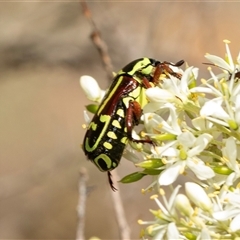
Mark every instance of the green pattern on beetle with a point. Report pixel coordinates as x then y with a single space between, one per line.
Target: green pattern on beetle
120 110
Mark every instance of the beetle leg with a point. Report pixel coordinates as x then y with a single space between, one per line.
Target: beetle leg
157 73
167 69
111 181
162 67
133 116
146 83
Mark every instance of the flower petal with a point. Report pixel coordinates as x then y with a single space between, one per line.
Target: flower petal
172 231
200 144
157 94
213 108
187 139
218 61
202 171
200 123
169 175
234 225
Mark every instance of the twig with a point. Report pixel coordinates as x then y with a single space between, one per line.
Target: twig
102 48
81 204
98 42
119 210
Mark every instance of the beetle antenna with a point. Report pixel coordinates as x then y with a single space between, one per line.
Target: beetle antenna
214 65
177 64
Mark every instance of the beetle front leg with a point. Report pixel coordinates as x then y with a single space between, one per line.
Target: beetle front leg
133 115
167 69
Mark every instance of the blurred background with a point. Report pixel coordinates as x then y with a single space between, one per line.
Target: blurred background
44 49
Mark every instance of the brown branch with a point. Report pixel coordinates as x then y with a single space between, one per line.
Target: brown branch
99 42
81 204
103 51
119 210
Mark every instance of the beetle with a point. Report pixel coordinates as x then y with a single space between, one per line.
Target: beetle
121 110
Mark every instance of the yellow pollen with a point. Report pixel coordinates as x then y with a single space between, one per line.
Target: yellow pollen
154 196
162 192
164 160
150 117
140 221
143 191
226 41
204 81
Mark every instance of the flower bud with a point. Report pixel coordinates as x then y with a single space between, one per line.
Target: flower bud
183 205
198 196
91 88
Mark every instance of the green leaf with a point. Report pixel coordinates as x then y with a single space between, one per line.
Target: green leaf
133 177
92 108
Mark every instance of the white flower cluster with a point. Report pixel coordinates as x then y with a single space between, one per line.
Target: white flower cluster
195 215
196 130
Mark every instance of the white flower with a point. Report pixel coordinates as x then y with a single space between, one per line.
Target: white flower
230 154
227 64
213 108
173 91
154 122
224 108
184 154
228 117
166 217
230 210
